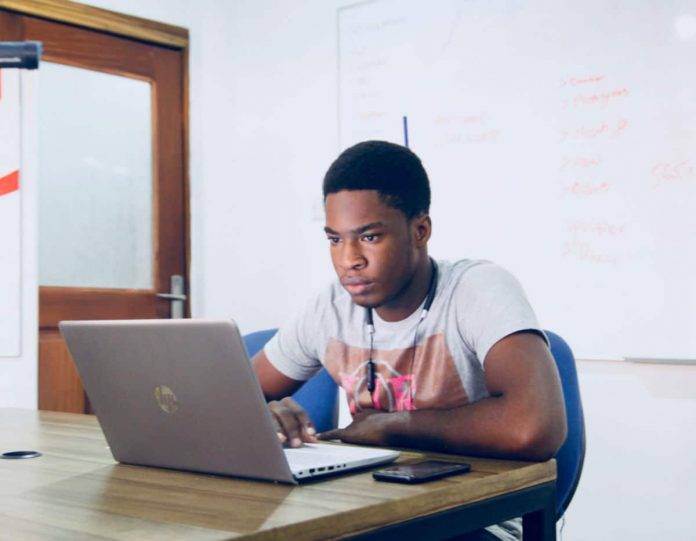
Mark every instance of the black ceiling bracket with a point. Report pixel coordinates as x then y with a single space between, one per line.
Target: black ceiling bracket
20 54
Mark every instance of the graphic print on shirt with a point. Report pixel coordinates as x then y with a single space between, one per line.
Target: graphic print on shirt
402 382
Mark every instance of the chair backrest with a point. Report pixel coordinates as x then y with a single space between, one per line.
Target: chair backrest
571 455
318 396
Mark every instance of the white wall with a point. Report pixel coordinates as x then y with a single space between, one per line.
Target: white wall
263 131
641 453
268 121
18 375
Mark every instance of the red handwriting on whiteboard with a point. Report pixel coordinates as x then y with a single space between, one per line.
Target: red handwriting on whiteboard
580 188
489 136
584 251
577 81
578 162
366 96
459 119
601 99
672 172
371 115
597 228
606 129
376 26
484 137
371 64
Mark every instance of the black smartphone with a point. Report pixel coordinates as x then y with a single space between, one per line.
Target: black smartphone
420 472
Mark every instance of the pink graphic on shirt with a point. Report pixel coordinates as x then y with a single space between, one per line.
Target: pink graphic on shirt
393 393
404 387
350 383
403 382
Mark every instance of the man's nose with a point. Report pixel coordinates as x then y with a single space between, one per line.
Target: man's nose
351 255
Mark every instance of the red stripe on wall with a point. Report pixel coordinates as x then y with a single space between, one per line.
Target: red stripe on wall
9 183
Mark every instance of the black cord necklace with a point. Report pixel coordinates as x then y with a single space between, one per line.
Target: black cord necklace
370 368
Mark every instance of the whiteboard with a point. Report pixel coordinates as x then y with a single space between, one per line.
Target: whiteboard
10 214
560 141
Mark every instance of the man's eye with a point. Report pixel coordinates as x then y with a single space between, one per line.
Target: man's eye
333 240
370 238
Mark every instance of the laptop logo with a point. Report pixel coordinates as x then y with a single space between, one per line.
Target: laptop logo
166 399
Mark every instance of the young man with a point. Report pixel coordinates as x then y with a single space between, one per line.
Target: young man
471 375
432 355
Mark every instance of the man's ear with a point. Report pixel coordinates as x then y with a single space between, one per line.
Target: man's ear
422 229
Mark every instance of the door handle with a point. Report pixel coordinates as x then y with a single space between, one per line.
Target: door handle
171 296
176 296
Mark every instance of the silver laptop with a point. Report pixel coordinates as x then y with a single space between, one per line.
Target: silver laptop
182 394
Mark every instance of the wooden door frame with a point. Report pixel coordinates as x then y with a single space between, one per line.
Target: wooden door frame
128 26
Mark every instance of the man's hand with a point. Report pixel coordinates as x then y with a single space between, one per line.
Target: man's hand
367 428
292 423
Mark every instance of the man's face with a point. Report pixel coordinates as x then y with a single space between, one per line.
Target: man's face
372 246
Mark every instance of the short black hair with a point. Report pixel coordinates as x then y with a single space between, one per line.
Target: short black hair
393 170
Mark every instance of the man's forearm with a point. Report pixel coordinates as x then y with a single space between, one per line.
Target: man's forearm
488 427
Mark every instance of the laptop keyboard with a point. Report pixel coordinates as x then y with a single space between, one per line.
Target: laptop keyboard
324 454
314 455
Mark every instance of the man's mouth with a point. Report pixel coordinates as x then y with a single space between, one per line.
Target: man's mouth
357 286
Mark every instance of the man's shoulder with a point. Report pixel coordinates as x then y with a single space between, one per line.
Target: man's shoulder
475 275
455 272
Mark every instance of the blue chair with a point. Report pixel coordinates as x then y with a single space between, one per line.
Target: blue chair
318 396
571 455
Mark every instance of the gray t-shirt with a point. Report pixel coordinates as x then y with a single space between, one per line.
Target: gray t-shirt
476 304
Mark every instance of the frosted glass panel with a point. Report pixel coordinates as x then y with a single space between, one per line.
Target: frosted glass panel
95 187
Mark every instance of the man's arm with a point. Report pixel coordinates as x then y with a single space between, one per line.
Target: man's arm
274 384
292 423
523 418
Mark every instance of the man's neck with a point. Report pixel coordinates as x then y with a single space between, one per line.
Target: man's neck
412 295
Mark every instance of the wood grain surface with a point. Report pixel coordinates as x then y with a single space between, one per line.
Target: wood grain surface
79 14
77 491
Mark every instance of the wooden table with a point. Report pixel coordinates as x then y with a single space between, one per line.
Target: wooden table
76 491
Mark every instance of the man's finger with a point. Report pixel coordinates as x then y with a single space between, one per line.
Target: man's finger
308 431
279 429
288 422
335 434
